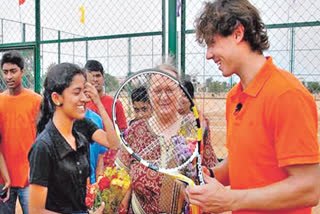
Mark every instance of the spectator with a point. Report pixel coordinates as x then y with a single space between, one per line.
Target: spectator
19 108
95 75
141 104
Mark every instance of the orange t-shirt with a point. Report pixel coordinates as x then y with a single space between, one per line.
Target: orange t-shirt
18 116
275 127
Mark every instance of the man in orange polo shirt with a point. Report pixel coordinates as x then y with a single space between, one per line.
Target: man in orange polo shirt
19 108
273 152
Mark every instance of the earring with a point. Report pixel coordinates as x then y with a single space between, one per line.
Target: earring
58 104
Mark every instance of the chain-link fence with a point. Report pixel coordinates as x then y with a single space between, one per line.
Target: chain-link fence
126 36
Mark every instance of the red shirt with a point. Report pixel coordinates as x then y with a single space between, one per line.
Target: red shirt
107 103
276 127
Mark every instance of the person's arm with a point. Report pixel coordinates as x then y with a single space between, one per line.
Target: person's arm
221 172
107 138
37 199
40 164
121 117
300 189
125 203
100 165
5 176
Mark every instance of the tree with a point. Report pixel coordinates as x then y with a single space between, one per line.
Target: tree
110 82
28 78
313 87
216 86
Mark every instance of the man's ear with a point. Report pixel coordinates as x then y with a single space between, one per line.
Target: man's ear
56 98
238 33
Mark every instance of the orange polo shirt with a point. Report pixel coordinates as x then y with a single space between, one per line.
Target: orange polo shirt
276 127
18 115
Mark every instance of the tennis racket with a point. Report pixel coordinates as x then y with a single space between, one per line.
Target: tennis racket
174 148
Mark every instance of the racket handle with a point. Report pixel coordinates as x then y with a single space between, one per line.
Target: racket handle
194 209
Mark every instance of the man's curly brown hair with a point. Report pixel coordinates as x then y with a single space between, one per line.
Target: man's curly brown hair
222 17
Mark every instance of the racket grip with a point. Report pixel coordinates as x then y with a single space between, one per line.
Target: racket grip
194 209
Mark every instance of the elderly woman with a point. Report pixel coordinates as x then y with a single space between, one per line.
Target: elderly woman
151 191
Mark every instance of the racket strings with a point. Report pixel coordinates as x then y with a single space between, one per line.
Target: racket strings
174 133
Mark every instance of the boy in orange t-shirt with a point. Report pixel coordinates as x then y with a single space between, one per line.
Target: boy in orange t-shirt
272 122
19 108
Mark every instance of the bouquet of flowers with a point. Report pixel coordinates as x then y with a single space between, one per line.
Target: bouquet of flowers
111 187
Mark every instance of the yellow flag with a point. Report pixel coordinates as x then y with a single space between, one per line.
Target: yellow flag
81 9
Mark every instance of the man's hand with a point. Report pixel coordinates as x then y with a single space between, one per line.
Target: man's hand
211 197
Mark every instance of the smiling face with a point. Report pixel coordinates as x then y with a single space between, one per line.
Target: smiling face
222 52
73 99
12 75
163 94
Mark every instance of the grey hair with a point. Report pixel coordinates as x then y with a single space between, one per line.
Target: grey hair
168 63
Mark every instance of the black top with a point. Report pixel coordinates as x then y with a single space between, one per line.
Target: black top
63 170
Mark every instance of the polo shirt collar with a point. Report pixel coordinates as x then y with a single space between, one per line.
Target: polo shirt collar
61 145
258 81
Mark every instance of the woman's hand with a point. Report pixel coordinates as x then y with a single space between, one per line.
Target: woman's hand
92 93
100 209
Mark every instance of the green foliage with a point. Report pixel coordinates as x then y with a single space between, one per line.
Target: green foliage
110 82
28 78
216 86
313 87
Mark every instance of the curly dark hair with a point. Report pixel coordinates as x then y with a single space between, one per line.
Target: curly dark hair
222 17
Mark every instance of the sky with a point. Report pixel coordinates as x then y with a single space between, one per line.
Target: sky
110 17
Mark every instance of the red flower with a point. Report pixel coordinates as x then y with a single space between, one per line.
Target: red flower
89 200
104 183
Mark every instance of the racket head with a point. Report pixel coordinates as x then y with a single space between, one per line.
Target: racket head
173 149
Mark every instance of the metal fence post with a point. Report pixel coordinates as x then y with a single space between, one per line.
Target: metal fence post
292 47
183 38
59 47
37 47
163 35
172 28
